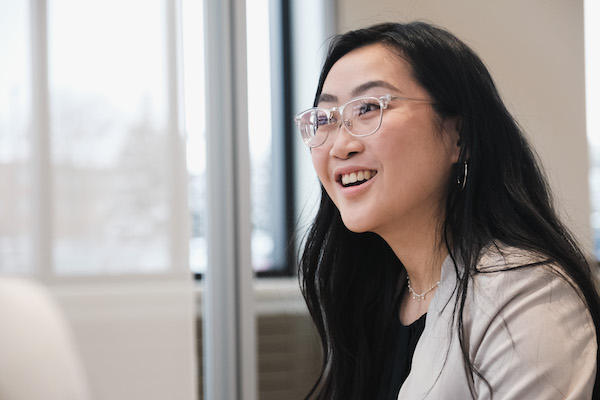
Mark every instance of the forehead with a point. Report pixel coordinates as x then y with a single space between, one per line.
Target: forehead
373 63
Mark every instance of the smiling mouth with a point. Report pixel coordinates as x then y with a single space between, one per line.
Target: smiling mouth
356 178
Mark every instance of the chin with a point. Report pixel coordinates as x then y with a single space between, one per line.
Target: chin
355 225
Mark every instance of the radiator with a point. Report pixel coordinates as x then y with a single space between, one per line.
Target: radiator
288 356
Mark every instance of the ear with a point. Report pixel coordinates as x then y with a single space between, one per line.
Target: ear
453 128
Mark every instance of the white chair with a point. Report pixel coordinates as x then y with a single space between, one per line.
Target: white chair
38 360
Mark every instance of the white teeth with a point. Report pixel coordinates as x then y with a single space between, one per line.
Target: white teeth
357 176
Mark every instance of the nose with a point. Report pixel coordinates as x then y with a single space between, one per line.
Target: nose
344 144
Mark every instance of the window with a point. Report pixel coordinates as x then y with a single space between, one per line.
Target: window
15 152
268 128
89 138
87 153
93 196
195 127
592 59
266 139
108 129
95 122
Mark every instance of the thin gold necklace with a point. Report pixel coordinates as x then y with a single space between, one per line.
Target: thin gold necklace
416 296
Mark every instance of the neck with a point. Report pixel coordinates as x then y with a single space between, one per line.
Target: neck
422 257
424 274
418 243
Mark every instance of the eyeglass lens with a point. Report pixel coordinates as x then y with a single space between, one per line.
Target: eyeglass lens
360 117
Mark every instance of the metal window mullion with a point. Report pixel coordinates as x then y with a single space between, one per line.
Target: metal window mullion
283 36
229 339
177 172
42 199
278 223
246 316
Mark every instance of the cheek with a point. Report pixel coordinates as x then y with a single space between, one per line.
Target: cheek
395 146
415 155
319 160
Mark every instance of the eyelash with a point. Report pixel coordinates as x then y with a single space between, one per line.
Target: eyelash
372 107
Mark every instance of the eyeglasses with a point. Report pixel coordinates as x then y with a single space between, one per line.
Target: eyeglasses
360 116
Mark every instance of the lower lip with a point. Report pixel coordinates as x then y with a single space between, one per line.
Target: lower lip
358 189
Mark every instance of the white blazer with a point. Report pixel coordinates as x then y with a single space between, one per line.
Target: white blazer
527 331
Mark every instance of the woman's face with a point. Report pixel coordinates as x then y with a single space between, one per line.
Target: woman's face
408 160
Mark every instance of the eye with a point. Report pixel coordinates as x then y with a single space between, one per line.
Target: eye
323 120
368 106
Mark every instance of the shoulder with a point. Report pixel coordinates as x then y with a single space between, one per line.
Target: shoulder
498 257
524 326
504 275
525 321
512 282
509 274
513 285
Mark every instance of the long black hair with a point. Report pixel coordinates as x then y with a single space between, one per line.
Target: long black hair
350 280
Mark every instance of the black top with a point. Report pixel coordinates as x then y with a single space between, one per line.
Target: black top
399 359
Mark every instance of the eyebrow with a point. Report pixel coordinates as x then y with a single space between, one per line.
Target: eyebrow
360 89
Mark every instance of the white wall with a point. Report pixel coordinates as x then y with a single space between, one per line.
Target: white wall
535 51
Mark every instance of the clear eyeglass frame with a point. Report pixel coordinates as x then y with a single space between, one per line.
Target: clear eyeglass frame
316 123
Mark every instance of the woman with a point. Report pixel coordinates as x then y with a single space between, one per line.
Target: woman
436 266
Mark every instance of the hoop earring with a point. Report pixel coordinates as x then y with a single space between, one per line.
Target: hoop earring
463 182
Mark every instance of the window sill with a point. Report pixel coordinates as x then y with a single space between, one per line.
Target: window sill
272 296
